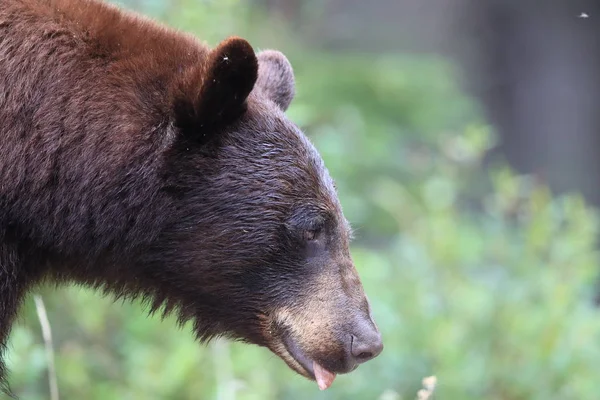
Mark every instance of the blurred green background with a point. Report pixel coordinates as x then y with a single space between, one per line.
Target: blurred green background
476 274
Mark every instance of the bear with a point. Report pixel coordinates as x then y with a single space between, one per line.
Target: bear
139 161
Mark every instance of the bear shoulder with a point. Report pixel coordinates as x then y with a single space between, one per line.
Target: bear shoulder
109 31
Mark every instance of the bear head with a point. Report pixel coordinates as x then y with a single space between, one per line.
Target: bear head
258 249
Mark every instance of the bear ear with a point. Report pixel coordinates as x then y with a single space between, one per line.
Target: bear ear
276 78
213 94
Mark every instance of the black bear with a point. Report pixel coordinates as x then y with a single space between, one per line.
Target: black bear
136 160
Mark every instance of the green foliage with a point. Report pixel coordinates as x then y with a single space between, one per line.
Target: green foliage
480 278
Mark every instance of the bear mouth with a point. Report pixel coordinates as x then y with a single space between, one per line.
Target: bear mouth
304 365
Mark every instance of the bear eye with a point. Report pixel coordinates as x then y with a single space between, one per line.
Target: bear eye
310 235
307 229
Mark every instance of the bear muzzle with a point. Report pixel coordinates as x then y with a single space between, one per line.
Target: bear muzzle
360 344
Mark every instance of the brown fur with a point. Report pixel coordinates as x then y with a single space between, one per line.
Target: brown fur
136 160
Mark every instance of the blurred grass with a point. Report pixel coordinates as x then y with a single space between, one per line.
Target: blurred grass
480 278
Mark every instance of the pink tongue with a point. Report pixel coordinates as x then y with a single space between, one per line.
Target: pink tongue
324 377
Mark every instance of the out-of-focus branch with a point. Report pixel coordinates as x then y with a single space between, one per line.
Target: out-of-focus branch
47 334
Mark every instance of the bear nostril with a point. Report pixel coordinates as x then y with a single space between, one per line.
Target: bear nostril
366 348
365 355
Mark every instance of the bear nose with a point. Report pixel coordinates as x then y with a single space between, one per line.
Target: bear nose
366 344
